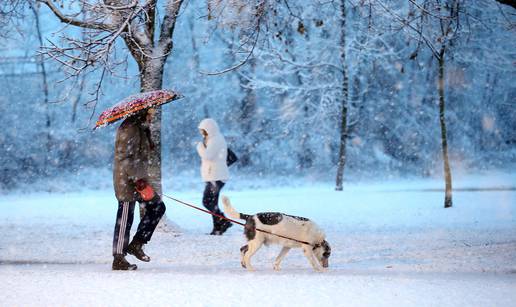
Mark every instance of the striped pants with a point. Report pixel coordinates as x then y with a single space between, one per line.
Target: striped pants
154 210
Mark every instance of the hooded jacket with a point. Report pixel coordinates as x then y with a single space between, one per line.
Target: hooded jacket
132 158
213 156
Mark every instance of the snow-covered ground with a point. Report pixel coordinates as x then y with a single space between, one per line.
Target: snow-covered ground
393 244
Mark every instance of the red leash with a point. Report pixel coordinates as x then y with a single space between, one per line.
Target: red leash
231 220
204 210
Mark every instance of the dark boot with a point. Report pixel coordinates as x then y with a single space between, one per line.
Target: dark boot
215 232
120 264
221 228
135 248
224 226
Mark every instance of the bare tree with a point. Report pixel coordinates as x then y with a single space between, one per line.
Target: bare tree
438 37
448 29
436 25
247 116
148 40
44 81
343 99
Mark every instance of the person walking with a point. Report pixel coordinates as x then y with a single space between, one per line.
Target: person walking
213 152
131 179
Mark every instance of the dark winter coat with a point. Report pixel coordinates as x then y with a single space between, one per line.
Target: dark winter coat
132 158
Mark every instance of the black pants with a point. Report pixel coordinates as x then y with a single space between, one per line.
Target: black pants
210 201
154 210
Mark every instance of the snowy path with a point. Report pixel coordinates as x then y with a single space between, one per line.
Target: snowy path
158 285
389 247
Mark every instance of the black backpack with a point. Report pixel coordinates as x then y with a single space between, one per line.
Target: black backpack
232 157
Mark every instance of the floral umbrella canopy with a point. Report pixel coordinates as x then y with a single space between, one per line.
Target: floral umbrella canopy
134 104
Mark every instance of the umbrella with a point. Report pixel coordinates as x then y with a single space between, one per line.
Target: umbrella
135 103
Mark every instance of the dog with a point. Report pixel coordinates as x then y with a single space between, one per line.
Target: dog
317 251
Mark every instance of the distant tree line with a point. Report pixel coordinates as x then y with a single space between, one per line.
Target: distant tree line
348 88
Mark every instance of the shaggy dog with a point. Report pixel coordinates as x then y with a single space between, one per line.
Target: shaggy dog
261 227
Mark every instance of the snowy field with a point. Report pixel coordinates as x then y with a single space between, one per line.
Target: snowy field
393 244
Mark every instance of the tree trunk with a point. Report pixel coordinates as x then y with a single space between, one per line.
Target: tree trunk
344 101
46 101
151 78
77 99
248 113
447 171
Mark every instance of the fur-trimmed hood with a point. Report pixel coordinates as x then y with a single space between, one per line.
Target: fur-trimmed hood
210 126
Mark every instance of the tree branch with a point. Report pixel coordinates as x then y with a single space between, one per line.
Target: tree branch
237 65
78 23
168 25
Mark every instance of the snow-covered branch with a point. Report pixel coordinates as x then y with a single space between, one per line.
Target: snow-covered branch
89 24
168 25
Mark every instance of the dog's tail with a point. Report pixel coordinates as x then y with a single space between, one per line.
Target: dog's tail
231 212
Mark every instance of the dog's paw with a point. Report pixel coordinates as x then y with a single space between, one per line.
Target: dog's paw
250 269
277 267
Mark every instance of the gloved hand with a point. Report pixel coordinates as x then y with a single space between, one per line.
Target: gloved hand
144 189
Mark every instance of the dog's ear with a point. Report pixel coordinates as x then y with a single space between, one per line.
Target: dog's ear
250 229
327 249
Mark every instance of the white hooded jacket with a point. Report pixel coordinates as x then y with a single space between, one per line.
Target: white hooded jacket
214 155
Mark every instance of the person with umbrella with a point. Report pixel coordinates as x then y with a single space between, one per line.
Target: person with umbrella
134 174
131 178
213 151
